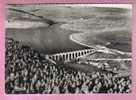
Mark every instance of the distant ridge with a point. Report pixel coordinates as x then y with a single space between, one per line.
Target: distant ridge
48 21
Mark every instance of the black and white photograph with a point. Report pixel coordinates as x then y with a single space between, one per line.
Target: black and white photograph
68 49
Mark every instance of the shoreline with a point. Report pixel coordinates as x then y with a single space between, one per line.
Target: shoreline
98 47
94 47
74 40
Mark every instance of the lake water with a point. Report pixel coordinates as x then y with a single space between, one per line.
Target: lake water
108 27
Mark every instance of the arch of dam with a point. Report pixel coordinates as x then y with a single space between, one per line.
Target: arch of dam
68 56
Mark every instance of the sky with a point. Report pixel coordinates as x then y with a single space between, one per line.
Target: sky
127 6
